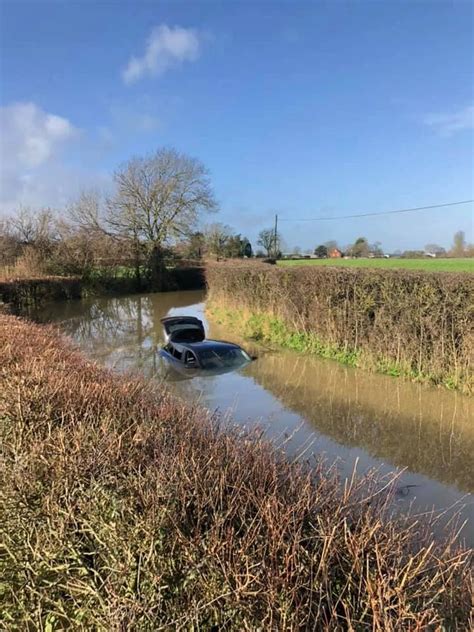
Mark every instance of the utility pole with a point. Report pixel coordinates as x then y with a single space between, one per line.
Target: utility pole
275 237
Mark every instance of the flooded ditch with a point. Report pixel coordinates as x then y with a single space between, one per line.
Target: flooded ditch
345 414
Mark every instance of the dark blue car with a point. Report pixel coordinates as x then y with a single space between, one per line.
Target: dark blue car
186 348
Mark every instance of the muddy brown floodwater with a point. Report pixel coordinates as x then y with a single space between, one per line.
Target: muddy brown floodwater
345 414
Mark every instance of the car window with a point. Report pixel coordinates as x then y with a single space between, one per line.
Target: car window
191 334
215 358
177 354
185 332
190 359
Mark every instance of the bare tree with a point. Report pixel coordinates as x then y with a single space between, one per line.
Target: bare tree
33 228
331 244
87 212
376 249
160 196
360 248
459 244
217 236
269 241
10 247
90 216
157 198
23 225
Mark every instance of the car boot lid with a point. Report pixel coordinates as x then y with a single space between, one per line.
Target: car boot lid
183 329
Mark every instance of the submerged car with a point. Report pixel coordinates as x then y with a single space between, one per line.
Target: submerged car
186 348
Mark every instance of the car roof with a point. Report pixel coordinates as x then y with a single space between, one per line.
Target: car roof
206 344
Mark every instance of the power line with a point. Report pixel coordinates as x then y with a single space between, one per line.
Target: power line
401 210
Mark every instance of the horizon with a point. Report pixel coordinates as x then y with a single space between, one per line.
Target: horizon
297 110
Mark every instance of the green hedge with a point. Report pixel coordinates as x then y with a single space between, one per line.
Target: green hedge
402 322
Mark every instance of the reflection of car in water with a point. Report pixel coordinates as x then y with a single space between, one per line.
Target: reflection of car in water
186 348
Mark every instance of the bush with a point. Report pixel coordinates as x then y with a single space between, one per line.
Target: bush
402 321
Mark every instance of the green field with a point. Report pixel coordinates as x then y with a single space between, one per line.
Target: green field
431 265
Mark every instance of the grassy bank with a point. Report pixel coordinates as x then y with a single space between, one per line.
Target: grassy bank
408 323
430 265
121 508
266 328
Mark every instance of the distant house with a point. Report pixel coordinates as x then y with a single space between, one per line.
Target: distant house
334 253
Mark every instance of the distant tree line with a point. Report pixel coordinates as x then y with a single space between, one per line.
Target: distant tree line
362 248
216 240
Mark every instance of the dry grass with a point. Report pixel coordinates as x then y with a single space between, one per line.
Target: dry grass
28 265
27 283
121 508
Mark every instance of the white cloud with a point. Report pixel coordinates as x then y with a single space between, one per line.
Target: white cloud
46 161
449 124
29 136
166 47
31 143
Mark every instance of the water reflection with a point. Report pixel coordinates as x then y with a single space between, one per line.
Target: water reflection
125 332
350 414
426 430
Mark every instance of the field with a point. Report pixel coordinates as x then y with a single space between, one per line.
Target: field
430 265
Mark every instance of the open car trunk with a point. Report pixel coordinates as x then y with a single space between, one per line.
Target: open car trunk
183 329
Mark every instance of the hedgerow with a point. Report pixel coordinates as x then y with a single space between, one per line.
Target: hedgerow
402 322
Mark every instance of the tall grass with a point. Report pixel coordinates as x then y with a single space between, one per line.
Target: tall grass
30 264
121 508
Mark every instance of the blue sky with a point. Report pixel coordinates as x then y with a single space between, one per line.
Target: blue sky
298 108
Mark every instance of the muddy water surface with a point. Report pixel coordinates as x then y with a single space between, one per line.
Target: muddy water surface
345 414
